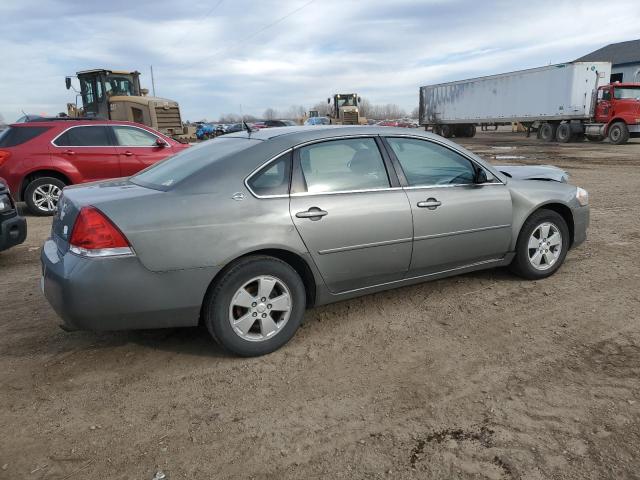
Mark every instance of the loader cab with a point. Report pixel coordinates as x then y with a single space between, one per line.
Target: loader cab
98 87
345 108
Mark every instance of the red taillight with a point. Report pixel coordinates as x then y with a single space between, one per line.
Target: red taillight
94 231
4 156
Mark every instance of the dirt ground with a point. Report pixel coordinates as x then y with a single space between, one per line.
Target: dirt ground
478 376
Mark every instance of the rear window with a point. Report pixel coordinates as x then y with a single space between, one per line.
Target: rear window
90 136
163 175
14 136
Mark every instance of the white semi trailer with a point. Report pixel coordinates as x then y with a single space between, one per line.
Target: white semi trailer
548 97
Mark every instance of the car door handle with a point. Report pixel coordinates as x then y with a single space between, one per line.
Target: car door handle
314 213
69 152
128 153
430 203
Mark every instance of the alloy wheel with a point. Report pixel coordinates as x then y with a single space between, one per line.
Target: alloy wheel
46 197
545 246
260 308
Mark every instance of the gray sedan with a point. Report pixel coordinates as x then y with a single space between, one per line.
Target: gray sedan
244 232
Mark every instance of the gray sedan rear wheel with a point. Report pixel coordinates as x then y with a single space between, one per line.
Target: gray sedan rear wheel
542 245
256 306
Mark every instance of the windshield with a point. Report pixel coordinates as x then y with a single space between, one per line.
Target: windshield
621 93
166 174
346 101
118 85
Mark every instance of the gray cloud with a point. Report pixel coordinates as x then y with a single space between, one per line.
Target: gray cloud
238 57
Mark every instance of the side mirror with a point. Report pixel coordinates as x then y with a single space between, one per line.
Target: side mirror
161 143
67 82
328 100
481 176
359 100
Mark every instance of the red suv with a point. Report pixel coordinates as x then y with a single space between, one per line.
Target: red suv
39 158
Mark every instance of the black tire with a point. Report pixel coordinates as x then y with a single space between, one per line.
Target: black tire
548 132
563 133
521 265
32 195
471 131
217 304
618 133
446 131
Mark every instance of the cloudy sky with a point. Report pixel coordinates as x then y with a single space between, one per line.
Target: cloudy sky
221 56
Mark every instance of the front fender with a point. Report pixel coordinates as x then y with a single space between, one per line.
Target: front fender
527 196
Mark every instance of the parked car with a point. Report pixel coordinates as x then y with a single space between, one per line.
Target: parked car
39 158
247 230
13 227
236 127
317 121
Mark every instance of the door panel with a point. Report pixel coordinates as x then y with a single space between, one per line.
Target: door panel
471 224
364 239
89 150
137 149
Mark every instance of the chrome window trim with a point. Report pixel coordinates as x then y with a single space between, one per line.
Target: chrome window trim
344 192
452 148
263 165
104 146
449 185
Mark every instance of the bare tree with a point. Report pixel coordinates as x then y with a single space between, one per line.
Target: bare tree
270 114
415 113
322 108
365 108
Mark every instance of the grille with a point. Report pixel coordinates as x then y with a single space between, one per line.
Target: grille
350 118
169 121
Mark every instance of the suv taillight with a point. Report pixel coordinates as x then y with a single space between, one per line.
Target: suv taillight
94 235
4 156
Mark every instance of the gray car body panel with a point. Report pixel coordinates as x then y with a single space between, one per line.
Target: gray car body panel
184 236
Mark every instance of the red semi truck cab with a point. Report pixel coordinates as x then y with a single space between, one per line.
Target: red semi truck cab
617 113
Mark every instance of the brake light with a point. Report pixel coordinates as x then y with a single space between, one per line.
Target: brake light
4 156
94 235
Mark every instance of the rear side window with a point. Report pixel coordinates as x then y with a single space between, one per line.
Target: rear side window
14 136
88 136
343 165
272 179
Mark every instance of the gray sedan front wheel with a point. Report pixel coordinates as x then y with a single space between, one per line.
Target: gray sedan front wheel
542 245
256 306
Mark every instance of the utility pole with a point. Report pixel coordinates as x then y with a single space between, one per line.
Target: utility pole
153 83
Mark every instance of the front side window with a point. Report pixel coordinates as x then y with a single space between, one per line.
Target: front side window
626 93
606 94
134 137
272 179
426 163
343 165
88 136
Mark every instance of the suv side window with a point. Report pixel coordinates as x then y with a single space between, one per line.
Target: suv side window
89 136
343 165
426 163
133 137
273 179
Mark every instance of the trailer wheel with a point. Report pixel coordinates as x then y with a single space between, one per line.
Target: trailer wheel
548 132
446 131
563 133
471 131
618 133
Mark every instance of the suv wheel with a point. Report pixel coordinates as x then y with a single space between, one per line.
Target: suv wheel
256 306
542 245
42 195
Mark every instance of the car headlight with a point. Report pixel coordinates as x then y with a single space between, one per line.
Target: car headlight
582 196
5 203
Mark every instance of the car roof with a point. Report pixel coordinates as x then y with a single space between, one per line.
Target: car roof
63 122
313 132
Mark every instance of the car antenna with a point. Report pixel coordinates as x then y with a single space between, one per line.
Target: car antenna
247 128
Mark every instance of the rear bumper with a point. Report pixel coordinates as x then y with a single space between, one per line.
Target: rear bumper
580 225
119 293
13 231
